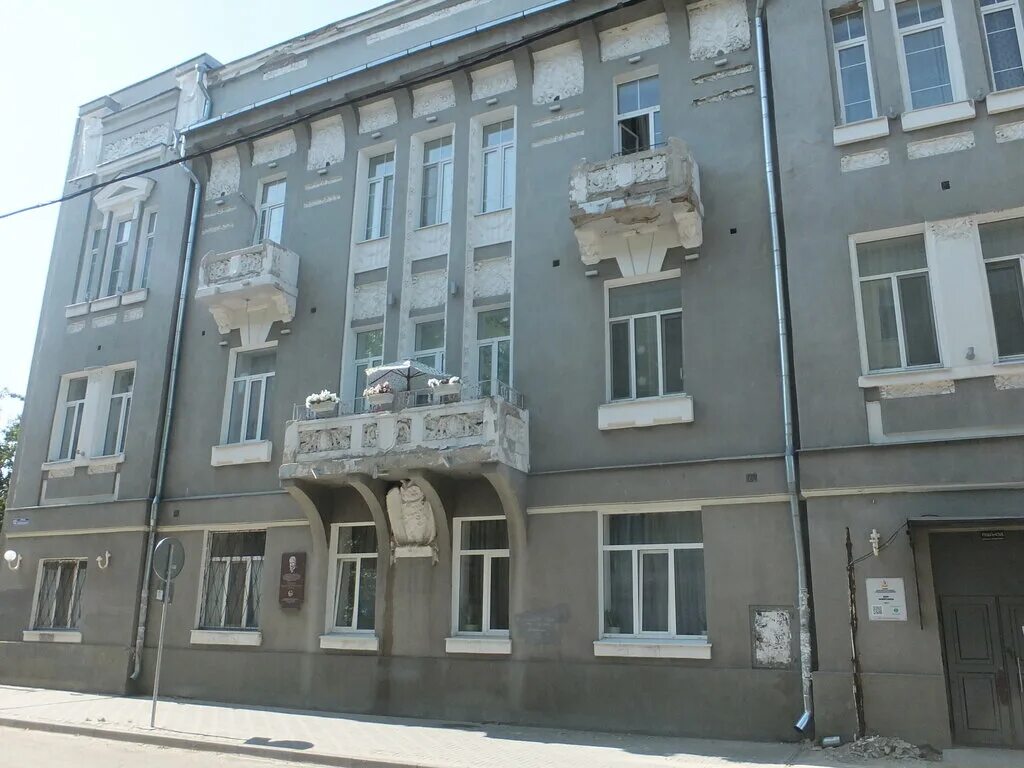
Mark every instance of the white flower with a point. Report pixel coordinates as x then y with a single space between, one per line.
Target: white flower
324 396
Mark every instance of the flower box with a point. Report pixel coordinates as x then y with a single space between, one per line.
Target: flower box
378 399
447 389
323 408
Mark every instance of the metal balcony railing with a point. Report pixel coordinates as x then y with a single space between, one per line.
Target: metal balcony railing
417 398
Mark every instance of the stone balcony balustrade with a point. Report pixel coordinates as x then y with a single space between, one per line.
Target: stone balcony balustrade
419 432
634 207
249 287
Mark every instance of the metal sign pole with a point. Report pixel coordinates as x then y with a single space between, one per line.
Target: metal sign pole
160 643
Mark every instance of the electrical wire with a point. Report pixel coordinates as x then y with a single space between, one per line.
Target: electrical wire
429 77
883 545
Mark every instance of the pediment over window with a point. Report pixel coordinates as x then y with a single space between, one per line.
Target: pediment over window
123 196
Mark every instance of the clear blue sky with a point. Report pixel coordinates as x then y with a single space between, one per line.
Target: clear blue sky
58 54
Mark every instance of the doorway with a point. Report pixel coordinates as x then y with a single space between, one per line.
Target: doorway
979 580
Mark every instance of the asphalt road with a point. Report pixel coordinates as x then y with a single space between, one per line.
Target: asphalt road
36 749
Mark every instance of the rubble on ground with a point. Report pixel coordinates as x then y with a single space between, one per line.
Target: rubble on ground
877 748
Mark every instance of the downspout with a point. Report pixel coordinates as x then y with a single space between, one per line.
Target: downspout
151 540
803 724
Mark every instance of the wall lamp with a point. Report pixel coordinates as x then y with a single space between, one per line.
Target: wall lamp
13 559
103 561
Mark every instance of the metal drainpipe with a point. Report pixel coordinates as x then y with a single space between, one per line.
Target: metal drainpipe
782 313
140 632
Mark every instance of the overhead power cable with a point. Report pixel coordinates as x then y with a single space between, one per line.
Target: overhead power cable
334 106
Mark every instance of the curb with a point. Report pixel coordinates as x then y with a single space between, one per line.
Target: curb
202 745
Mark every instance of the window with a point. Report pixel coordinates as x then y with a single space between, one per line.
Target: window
1005 40
117 416
653 575
850 43
120 258
355 576
147 250
59 594
369 353
231 591
251 395
380 192
480 575
430 343
74 407
1002 244
638 115
90 269
896 302
645 332
272 210
494 350
923 32
499 154
436 202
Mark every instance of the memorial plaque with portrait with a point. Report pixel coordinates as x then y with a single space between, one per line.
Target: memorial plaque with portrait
293 580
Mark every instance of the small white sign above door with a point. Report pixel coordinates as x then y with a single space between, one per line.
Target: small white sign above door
887 600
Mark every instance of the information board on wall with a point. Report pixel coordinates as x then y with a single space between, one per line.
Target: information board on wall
887 600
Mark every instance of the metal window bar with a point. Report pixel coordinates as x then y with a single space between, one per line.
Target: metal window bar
417 398
234 569
59 598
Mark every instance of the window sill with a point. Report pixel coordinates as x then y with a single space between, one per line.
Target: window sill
930 375
76 310
373 240
233 454
83 461
226 637
51 636
649 412
108 302
1005 101
496 210
423 227
863 130
653 649
134 297
940 115
350 641
482 644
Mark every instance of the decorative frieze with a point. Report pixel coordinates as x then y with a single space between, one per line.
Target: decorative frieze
102 321
1009 132
721 74
444 426
718 27
429 289
642 35
557 139
370 433
369 300
422 21
325 440
953 229
326 143
492 277
275 147
76 327
378 115
321 201
918 389
957 142
733 93
294 66
225 172
60 472
129 145
403 431
432 98
860 161
1009 381
133 314
557 73
493 80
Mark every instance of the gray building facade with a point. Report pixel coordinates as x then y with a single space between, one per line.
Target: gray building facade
568 207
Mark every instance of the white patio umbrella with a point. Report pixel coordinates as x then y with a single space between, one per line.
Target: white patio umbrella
405 375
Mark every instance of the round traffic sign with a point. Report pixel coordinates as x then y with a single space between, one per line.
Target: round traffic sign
168 558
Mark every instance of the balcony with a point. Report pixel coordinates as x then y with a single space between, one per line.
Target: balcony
451 434
633 208
250 288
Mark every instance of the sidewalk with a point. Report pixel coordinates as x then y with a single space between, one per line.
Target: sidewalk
378 742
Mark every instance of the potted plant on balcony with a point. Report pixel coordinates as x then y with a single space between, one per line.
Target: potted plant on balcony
323 402
448 385
379 394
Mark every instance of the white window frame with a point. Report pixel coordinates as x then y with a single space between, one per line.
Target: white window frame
488 555
895 234
125 266
502 148
266 210
838 48
207 559
357 558
634 77
951 47
75 446
262 431
92 413
378 217
33 619
91 267
124 404
147 245
620 283
370 362
638 633
493 343
445 191
1016 257
1001 5
435 353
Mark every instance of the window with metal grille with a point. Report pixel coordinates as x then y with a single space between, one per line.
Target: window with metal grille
59 594
231 592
